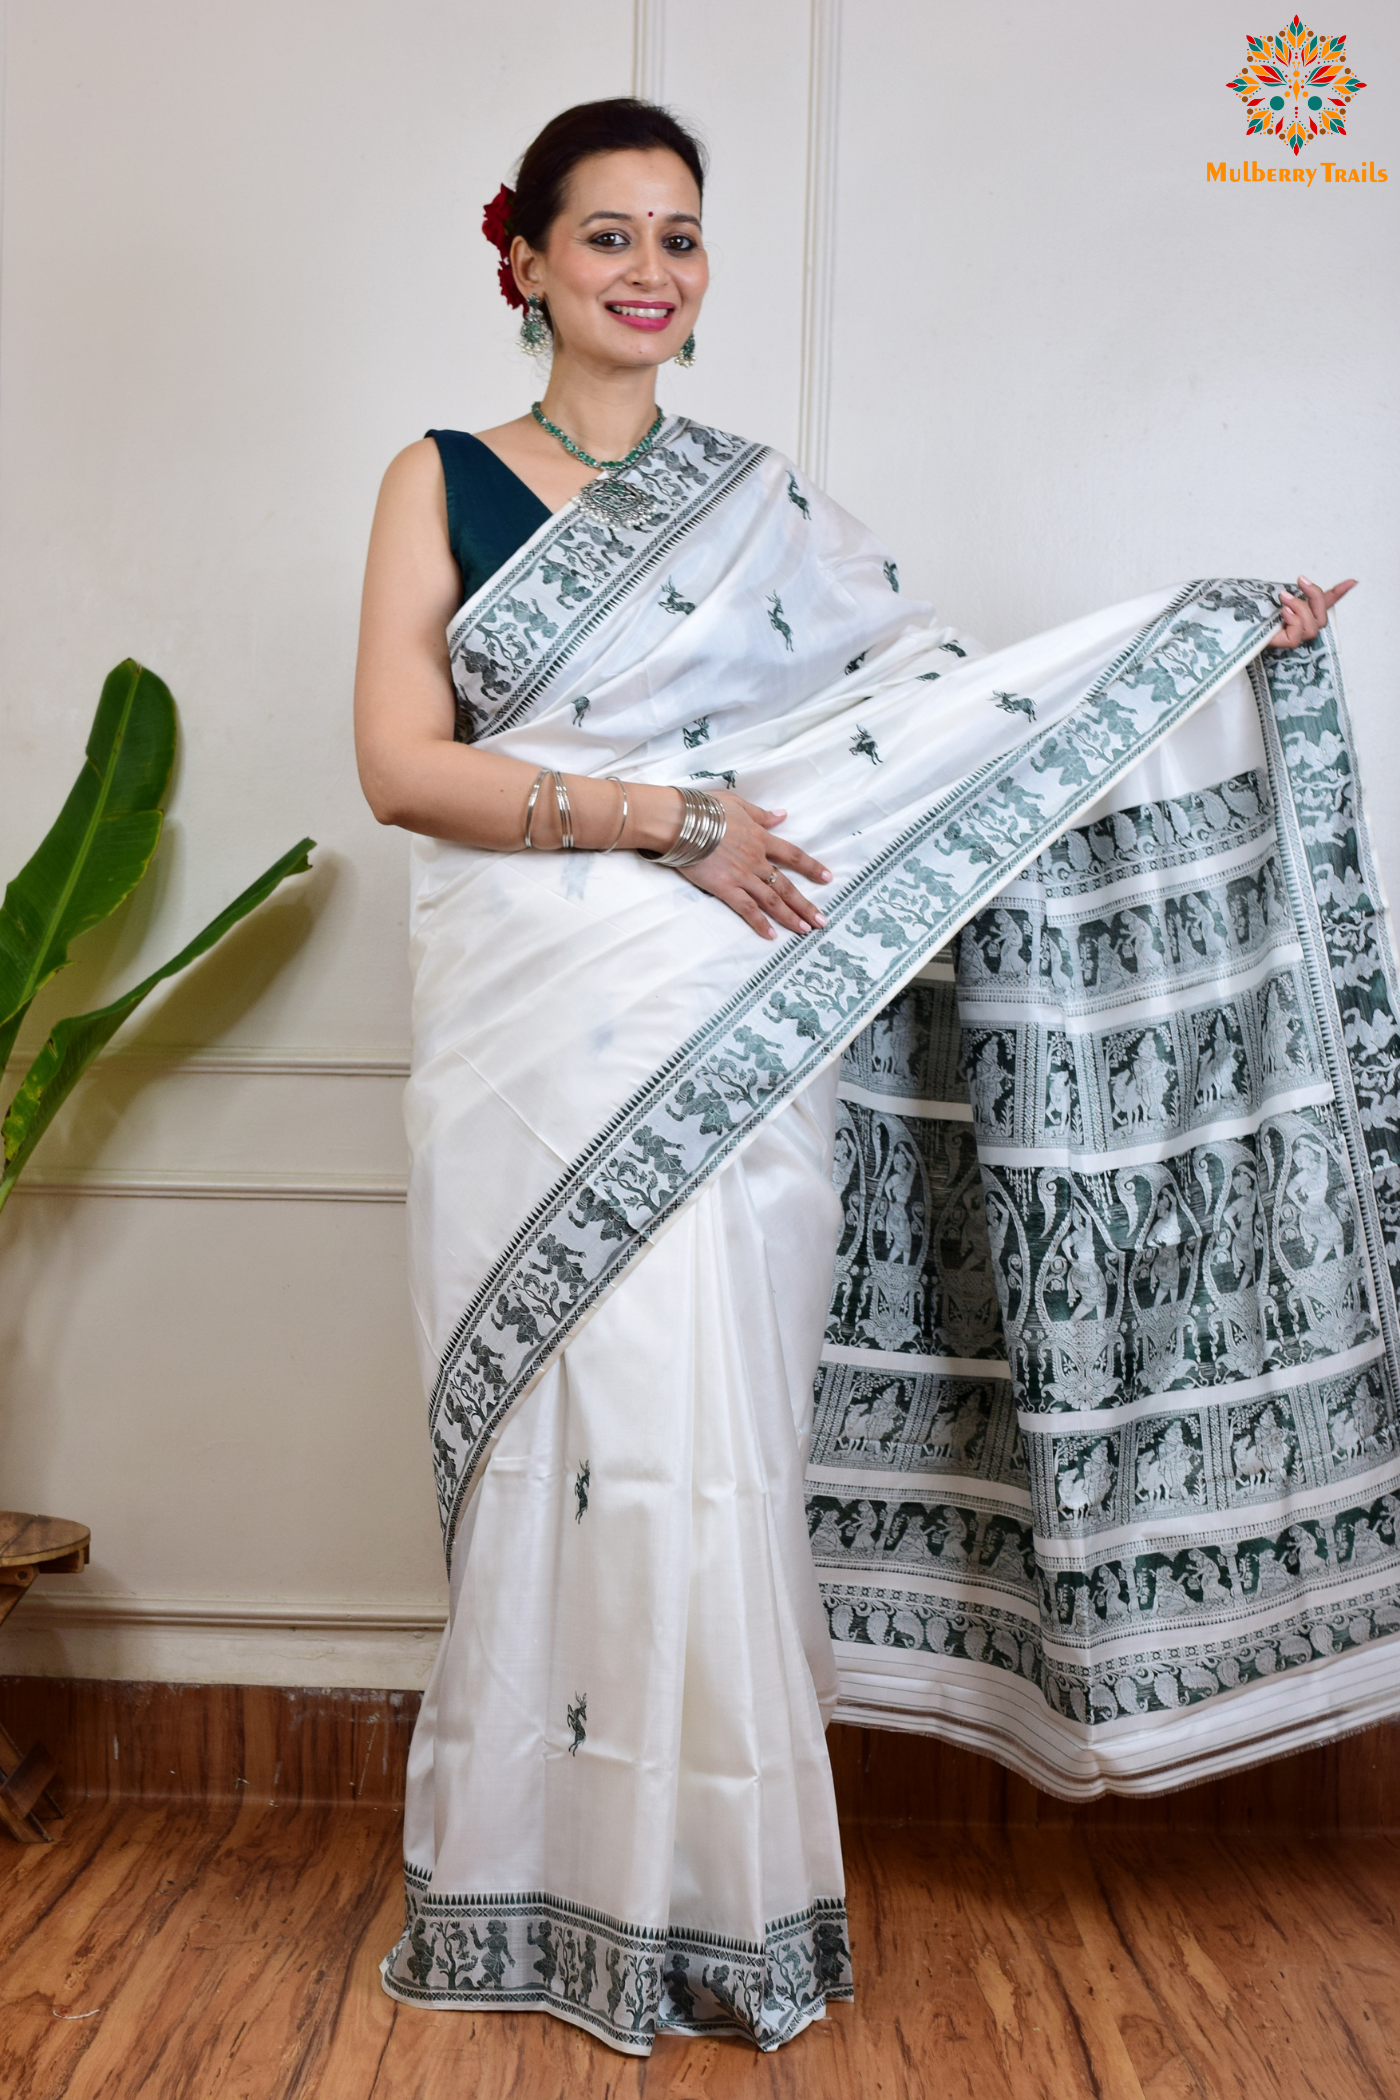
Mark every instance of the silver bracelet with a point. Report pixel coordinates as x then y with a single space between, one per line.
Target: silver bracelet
622 820
566 814
533 798
703 826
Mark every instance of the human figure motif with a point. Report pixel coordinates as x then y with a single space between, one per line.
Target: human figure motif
988 1083
421 1957
676 1981
878 1418
1057 1098
1358 1423
1300 1550
1165 1471
1271 897
845 1176
1086 1486
496 1952
1198 924
1318 1226
1162 1244
1216 1076
547 1967
830 1954
1106 1593
1279 1033
1201 1579
1132 942
1265 1452
1152 1075
717 1982
998 938
893 1213
1086 1285
588 1969
1235 1235
617 1982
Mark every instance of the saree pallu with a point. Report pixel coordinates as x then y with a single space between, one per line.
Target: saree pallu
1075 1127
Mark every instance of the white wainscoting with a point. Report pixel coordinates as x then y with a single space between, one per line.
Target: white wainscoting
215 1640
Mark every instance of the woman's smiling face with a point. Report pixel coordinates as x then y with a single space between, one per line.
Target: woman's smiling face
624 269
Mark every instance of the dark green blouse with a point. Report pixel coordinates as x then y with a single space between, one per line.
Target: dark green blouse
490 512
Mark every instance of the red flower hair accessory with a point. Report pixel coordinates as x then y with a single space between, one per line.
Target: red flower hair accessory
495 224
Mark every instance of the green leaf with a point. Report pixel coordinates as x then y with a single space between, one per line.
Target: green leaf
75 1042
99 848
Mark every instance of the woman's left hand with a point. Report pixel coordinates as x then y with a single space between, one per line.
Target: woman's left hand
1306 616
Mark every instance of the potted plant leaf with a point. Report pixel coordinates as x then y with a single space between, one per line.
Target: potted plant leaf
97 852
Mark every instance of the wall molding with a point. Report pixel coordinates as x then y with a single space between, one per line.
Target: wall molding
268 1063
231 1188
649 49
248 1061
219 1640
819 240
226 1614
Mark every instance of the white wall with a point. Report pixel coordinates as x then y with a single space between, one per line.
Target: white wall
966 264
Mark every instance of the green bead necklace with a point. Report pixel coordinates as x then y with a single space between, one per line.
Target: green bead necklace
586 459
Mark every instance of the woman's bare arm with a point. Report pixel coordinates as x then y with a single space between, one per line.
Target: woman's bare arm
414 774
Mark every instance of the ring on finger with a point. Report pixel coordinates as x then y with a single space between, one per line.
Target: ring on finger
772 874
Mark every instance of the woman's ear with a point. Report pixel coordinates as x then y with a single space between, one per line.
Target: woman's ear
526 267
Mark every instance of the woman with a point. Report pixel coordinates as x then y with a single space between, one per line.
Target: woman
602 651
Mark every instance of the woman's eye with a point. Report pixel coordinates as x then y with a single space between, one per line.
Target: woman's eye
610 238
682 242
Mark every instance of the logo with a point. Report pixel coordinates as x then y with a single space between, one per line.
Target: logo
1296 85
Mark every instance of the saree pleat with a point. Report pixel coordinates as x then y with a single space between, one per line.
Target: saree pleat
620 1808
1103 1475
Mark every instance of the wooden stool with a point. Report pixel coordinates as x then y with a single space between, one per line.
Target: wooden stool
29 1545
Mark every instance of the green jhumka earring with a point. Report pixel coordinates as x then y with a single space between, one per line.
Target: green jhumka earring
686 354
534 329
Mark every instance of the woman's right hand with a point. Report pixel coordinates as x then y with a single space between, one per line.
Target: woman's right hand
747 871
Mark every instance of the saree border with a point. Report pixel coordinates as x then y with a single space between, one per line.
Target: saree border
766 1991
813 997
1355 1010
578 568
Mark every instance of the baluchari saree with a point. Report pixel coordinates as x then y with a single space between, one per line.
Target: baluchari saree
1096 1204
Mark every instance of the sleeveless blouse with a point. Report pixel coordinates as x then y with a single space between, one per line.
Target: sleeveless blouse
490 511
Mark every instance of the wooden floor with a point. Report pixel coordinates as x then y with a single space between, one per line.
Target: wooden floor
217 1951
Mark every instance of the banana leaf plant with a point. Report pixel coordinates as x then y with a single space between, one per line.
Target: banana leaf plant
93 858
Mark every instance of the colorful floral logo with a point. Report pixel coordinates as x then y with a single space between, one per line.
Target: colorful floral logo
1297 84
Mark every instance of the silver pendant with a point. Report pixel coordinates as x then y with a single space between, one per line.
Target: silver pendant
620 504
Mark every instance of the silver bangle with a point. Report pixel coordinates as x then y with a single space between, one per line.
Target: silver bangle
703 825
566 814
622 820
533 798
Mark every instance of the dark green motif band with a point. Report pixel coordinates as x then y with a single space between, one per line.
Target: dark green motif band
626 1983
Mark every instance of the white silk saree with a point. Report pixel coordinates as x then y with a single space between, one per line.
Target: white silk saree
1078 1225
